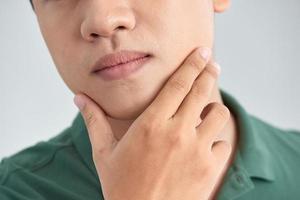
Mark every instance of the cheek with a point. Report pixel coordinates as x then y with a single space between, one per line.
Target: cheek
196 23
59 36
55 42
177 42
67 59
182 26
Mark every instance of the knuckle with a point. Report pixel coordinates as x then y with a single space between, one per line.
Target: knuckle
221 111
211 71
207 167
175 140
97 153
225 147
179 85
176 137
150 126
150 115
204 169
200 92
90 119
146 126
196 64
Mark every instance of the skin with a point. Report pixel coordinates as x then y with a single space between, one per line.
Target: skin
173 157
79 32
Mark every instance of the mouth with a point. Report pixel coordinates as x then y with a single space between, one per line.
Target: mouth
120 65
118 59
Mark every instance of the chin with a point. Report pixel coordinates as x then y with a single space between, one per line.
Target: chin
128 110
125 114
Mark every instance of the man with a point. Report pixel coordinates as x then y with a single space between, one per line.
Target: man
153 122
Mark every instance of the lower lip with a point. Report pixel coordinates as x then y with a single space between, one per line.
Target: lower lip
122 70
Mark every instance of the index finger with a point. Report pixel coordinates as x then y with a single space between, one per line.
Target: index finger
179 84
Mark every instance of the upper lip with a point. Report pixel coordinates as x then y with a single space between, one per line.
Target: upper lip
117 58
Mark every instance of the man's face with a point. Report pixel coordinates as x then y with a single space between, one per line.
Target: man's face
79 32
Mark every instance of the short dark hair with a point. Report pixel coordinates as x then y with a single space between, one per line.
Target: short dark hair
31 4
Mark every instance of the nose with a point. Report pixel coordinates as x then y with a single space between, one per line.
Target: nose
105 19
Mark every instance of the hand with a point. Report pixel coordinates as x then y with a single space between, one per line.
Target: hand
164 155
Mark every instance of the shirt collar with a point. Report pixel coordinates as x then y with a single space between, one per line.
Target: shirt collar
253 154
252 158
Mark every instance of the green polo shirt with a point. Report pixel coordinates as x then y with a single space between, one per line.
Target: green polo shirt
266 164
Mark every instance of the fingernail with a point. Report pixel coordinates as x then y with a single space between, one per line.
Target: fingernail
217 67
205 53
79 102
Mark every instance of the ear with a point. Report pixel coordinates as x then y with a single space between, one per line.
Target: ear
221 5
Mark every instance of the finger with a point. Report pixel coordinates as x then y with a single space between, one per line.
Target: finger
213 123
100 133
172 94
221 151
199 95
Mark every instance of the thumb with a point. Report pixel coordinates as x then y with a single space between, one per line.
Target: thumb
100 132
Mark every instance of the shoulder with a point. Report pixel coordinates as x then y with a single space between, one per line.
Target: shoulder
34 157
268 154
281 147
51 169
287 140
36 168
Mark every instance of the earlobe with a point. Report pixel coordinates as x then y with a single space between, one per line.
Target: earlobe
221 5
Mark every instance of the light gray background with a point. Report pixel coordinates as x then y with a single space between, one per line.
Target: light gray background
257 45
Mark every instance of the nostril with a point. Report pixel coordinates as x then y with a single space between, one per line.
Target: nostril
94 35
121 27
